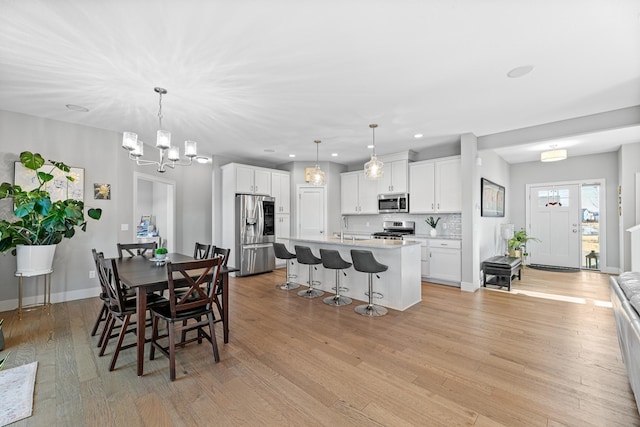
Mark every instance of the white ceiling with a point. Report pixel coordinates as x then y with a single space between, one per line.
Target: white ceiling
248 77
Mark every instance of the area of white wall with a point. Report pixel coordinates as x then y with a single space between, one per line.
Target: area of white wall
98 152
629 166
595 166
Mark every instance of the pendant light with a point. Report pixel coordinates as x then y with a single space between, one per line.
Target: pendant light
317 176
373 168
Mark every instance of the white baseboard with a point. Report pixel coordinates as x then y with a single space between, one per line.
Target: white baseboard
12 304
469 287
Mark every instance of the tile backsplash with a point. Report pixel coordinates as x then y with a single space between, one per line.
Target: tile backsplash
449 224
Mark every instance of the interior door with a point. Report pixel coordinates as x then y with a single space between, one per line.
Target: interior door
555 221
311 212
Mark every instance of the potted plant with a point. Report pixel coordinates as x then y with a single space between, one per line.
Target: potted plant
518 244
39 223
433 223
161 254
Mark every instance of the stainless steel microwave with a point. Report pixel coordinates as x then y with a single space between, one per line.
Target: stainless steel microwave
392 203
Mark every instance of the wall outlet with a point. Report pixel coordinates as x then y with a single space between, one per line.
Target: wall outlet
92 274
124 227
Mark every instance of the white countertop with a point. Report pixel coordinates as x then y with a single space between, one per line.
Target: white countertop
428 236
366 243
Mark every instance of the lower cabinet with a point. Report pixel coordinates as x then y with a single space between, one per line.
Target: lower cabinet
445 261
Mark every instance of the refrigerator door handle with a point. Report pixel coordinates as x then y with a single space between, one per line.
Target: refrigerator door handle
257 245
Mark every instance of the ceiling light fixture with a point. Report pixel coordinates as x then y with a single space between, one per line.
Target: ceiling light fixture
169 155
317 176
373 168
418 135
553 155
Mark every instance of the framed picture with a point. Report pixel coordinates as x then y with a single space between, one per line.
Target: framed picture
491 198
308 173
102 191
59 187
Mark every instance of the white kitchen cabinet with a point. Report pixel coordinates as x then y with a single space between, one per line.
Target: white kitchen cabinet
281 190
424 256
395 178
283 232
435 186
250 180
445 261
358 195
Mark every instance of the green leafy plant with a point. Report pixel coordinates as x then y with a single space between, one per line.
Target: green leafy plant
432 222
161 251
39 220
519 241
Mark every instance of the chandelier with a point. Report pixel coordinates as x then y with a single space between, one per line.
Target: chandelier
373 168
169 155
317 175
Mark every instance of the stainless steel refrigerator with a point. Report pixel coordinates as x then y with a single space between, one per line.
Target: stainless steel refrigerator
255 233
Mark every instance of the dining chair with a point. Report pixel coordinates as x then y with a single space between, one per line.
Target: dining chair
224 253
201 251
121 307
104 297
196 304
135 249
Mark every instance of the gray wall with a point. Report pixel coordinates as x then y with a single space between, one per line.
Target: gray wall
629 159
104 161
596 166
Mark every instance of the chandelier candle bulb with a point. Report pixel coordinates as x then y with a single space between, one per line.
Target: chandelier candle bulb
129 140
190 148
173 154
138 149
163 139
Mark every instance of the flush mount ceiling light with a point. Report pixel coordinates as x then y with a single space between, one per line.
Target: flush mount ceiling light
553 155
169 155
520 71
373 168
317 176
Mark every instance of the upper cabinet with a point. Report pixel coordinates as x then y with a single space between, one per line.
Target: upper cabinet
251 180
395 177
358 195
435 186
281 190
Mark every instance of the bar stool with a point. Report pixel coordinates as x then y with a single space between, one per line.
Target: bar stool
332 259
365 262
304 256
282 253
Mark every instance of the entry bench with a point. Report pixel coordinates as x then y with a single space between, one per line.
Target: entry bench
625 300
502 269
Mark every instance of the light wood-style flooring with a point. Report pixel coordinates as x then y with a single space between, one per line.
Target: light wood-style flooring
488 358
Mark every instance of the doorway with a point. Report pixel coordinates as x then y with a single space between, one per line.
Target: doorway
311 217
568 219
155 197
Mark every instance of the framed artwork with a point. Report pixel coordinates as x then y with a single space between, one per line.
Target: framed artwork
308 173
60 188
102 191
491 198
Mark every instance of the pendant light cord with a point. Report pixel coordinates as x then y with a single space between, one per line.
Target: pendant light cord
160 111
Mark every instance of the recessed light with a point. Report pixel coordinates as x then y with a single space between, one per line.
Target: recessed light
202 159
370 146
334 154
520 71
292 155
77 108
418 135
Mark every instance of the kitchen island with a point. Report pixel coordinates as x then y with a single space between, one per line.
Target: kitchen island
400 285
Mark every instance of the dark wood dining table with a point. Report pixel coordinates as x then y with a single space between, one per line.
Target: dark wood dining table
145 276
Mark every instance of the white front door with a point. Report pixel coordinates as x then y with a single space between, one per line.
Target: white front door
555 221
311 212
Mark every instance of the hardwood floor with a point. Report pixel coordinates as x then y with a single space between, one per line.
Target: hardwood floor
487 358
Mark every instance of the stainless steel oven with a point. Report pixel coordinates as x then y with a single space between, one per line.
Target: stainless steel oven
391 203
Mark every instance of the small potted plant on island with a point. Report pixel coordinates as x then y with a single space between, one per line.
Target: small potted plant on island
518 244
161 255
433 223
39 223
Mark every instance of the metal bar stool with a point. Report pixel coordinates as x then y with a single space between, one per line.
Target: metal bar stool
365 262
332 259
304 256
282 253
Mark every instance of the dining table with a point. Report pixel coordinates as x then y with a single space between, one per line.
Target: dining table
147 275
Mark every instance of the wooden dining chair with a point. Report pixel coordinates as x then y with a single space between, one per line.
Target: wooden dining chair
195 305
121 307
104 297
137 249
224 253
201 251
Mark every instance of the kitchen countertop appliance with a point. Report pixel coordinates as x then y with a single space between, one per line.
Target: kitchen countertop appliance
255 234
396 230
